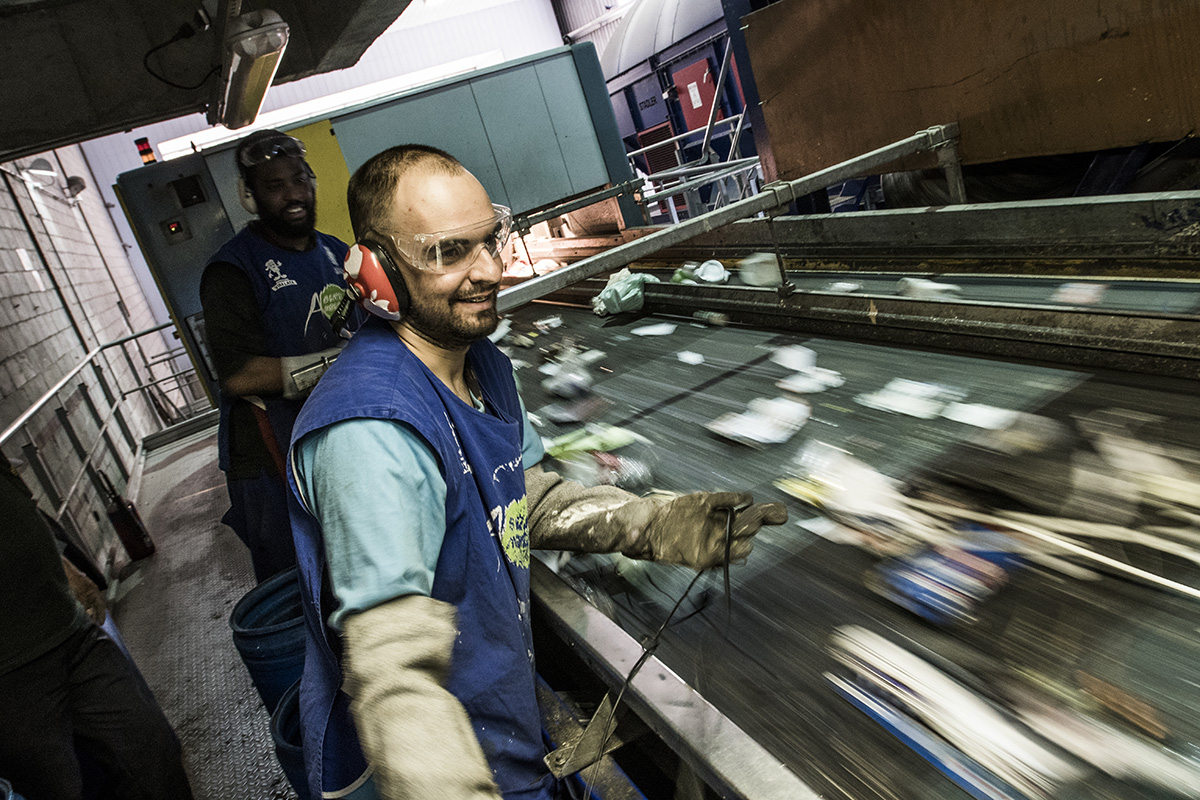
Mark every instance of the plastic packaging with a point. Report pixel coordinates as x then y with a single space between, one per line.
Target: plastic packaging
623 292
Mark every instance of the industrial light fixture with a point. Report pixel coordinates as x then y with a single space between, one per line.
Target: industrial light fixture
252 47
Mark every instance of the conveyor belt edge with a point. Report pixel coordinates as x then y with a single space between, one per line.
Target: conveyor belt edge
724 755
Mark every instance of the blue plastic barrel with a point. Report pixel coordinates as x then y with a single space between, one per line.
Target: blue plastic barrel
285 730
268 630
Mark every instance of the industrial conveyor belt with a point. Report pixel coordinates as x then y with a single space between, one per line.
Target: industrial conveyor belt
1082 633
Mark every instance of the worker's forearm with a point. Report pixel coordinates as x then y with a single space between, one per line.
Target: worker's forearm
292 376
564 515
259 375
416 735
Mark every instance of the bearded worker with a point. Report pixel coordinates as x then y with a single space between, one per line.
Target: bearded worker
420 493
274 311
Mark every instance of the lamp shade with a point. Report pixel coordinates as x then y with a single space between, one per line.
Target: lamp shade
253 46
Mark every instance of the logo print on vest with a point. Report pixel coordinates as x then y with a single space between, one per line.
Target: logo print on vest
275 272
513 525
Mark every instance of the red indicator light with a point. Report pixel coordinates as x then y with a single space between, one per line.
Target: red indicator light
145 151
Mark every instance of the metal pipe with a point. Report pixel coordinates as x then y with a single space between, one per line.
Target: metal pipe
157 381
772 196
524 222
716 103
87 462
53 390
737 137
698 182
697 169
948 160
678 136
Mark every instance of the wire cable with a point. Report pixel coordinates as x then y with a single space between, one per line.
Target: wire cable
186 31
649 647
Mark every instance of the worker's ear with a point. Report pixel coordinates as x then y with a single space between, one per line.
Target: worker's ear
374 280
246 196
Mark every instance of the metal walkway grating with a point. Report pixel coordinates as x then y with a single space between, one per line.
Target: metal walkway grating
174 617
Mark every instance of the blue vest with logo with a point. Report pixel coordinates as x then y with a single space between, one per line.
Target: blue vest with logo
483 567
296 293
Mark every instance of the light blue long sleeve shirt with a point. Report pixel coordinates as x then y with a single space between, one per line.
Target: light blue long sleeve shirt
375 487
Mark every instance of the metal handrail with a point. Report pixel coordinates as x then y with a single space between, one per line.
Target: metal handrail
698 169
717 174
679 136
56 388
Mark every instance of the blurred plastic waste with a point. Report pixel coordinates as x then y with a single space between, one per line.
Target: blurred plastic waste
807 377
711 271
714 318
913 398
925 289
548 323
842 287
973 740
795 357
946 583
569 376
658 329
980 415
759 269
1080 294
765 421
688 357
623 292
501 331
605 455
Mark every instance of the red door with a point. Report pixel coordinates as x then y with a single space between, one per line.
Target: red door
696 85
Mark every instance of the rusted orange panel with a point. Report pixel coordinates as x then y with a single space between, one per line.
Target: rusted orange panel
1022 77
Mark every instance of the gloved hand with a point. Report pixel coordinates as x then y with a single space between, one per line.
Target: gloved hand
415 734
690 529
301 373
86 592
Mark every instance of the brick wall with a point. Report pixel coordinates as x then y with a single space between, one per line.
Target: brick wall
67 287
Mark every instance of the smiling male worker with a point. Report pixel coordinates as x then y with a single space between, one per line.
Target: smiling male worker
274 301
418 474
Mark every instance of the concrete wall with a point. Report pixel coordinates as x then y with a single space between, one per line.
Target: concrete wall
66 288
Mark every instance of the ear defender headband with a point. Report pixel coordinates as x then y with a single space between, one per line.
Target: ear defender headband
373 279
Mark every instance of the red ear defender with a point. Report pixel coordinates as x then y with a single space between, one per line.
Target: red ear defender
374 282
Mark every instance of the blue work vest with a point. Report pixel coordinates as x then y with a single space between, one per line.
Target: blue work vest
295 293
482 570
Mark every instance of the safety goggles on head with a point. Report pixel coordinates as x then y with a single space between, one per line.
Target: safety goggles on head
455 250
262 151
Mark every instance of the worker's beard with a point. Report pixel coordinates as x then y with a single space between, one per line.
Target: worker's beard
447 324
288 228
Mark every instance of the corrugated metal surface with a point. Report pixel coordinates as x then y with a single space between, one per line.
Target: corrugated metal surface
651 27
579 13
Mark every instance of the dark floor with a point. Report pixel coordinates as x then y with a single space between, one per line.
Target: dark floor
174 616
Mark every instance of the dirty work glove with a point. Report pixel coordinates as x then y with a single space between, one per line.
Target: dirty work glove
415 734
688 530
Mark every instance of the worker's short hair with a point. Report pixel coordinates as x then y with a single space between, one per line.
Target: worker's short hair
373 185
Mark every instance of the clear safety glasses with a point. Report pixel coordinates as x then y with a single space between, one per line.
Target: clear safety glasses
265 149
455 250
